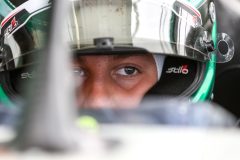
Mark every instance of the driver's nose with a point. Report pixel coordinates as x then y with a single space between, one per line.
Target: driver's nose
96 94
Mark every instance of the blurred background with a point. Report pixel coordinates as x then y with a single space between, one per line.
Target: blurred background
164 128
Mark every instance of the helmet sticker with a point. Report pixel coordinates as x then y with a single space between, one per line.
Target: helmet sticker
11 27
178 70
12 22
7 19
21 15
28 75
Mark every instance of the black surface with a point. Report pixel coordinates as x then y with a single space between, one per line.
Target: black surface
227 85
175 84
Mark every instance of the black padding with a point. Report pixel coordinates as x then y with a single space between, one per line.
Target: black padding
20 77
178 76
227 84
227 88
6 84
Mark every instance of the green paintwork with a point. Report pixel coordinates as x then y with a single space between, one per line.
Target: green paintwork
204 92
9 4
5 9
196 3
4 99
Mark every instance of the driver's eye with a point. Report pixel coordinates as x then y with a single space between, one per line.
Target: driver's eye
127 71
78 72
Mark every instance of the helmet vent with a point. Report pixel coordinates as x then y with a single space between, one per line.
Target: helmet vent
104 43
223 47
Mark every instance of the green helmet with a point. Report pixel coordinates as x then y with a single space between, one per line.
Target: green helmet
184 32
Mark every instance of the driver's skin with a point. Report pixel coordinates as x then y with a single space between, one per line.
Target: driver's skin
113 80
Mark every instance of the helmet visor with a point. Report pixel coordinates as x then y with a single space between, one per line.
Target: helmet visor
167 27
161 27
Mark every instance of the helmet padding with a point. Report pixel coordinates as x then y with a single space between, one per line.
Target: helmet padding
159 60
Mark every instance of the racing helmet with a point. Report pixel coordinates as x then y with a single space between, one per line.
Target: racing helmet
184 32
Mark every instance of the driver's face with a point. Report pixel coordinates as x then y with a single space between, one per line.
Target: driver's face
113 80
